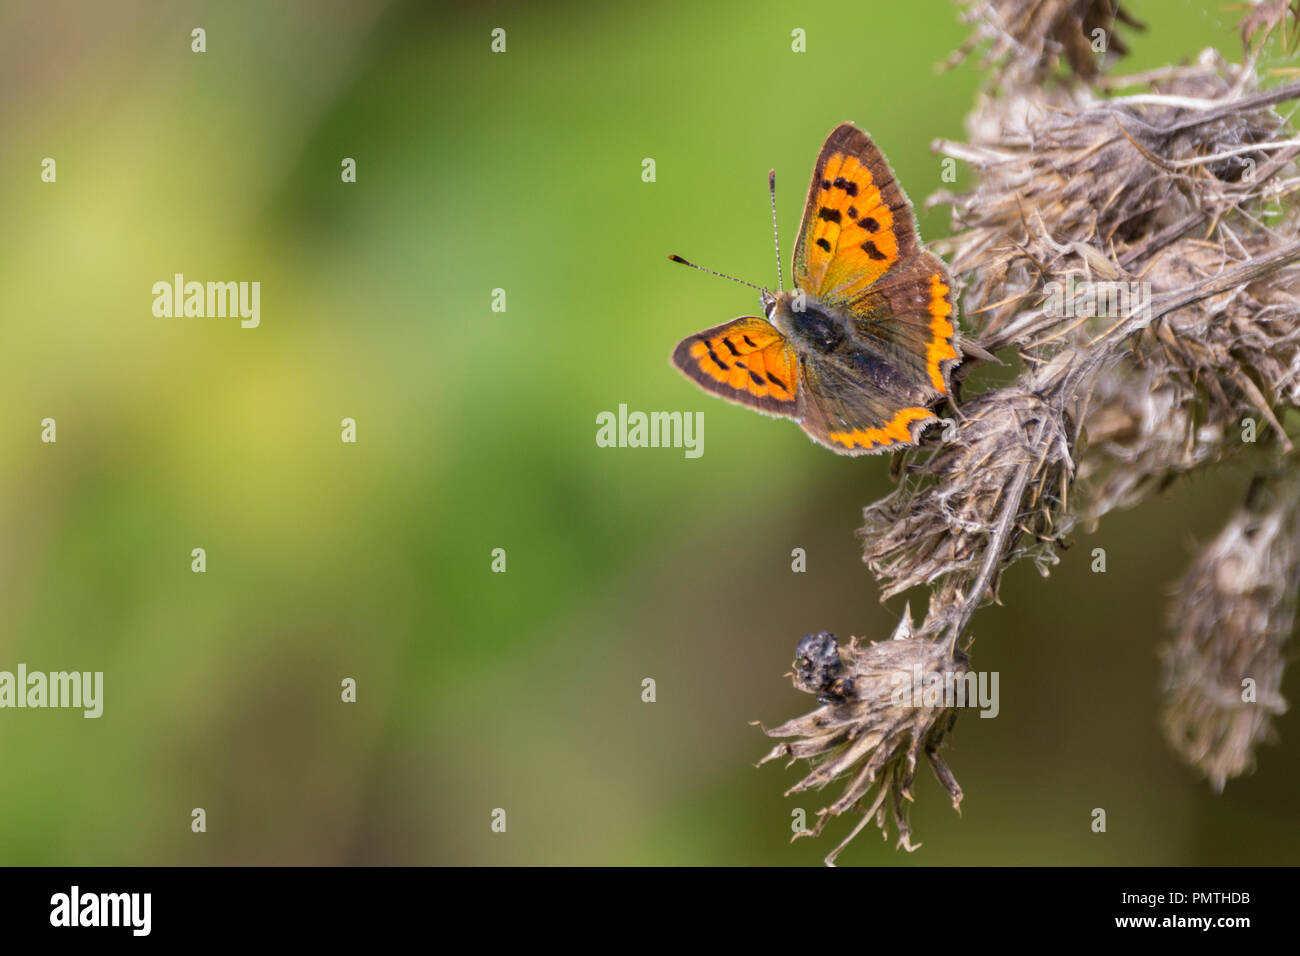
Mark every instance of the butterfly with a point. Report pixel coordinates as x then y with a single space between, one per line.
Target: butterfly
861 350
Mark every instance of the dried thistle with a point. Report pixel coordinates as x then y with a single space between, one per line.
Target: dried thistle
1232 622
1269 15
1090 190
1194 383
867 728
1010 464
1180 197
1030 41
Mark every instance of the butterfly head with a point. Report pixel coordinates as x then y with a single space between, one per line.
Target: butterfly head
779 308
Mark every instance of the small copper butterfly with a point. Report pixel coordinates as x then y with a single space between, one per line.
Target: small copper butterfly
860 351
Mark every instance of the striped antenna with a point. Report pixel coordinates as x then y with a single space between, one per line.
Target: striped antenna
720 275
776 236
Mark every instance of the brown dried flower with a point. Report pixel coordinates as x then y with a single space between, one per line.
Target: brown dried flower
871 727
1232 621
1029 41
1269 15
1009 463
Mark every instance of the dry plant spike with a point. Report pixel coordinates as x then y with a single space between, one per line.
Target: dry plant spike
1139 255
1232 620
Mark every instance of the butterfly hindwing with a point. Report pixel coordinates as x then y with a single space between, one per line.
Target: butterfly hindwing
908 317
746 361
865 410
857 224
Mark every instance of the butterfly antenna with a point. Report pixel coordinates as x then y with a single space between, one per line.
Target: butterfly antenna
776 236
720 275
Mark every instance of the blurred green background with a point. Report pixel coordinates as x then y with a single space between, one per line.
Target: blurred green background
476 431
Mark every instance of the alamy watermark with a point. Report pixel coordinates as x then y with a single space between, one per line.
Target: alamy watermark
130 910
56 689
651 430
179 298
918 688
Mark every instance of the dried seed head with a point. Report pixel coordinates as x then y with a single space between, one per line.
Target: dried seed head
1030 41
1145 429
1267 16
1232 621
873 730
1199 384
1076 188
1009 444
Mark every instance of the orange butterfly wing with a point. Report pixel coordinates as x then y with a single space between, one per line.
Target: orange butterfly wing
857 224
746 361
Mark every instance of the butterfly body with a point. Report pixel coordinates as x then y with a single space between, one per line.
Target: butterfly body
803 319
831 334
859 352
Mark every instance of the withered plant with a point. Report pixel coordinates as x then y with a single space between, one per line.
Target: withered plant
1177 186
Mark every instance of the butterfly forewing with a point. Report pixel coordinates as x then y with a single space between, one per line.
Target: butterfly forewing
746 361
857 223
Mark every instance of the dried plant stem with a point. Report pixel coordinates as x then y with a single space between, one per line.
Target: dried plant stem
1161 305
999 544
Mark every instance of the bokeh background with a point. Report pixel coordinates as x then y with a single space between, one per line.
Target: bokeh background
476 430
